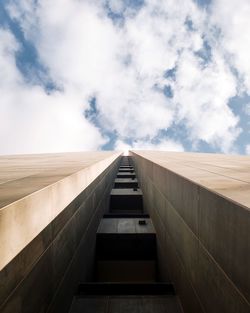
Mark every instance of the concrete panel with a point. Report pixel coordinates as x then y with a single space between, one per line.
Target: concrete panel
89 305
41 188
124 304
160 202
229 176
202 203
184 288
22 264
162 264
184 197
215 291
63 249
126 199
185 242
132 271
126 183
144 304
40 280
81 268
225 232
38 273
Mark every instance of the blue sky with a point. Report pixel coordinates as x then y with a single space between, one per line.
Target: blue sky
121 74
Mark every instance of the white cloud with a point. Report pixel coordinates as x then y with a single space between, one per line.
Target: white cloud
248 149
203 94
123 66
247 109
85 52
8 48
232 19
117 6
163 145
33 121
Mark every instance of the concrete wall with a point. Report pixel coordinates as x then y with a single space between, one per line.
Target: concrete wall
44 275
200 208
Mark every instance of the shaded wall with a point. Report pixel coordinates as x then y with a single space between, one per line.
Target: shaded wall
44 275
203 240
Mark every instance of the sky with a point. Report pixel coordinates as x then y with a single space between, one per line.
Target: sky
124 74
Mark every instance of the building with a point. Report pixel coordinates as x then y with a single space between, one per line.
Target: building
76 232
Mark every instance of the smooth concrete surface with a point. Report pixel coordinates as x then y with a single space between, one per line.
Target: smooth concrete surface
125 175
126 304
34 189
226 175
121 170
126 250
125 239
126 192
132 271
126 199
62 209
126 183
125 226
199 204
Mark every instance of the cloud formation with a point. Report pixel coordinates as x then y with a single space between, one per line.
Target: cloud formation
161 75
35 121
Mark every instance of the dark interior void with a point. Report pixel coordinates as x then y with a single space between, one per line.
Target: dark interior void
126 274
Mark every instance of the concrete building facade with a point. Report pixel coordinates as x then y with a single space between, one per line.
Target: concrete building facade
199 204
51 206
